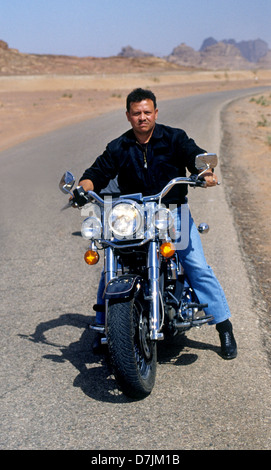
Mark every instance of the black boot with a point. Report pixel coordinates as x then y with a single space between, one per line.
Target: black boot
228 343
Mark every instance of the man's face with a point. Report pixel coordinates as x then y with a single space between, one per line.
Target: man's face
142 116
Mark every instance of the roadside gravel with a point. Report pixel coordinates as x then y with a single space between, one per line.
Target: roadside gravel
245 165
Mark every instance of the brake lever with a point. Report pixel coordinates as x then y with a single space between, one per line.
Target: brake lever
197 181
67 206
80 197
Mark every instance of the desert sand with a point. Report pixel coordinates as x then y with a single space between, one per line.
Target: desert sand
33 105
246 169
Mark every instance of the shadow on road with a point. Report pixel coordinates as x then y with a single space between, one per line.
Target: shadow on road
171 350
95 377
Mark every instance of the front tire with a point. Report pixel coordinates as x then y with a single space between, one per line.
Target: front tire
133 355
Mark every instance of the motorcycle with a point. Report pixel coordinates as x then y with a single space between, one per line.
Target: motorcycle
147 295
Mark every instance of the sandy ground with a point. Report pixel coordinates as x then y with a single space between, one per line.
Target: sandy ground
33 105
246 170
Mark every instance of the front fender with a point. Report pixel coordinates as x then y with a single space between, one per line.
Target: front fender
121 287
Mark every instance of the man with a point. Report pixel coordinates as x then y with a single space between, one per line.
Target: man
145 159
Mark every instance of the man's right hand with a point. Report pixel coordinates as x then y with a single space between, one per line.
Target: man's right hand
80 197
87 185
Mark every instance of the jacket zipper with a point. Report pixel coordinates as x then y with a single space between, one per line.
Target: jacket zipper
145 156
144 150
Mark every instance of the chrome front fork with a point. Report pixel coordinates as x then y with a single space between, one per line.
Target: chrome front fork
154 297
110 271
110 265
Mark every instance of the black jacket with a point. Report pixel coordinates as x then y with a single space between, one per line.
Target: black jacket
146 170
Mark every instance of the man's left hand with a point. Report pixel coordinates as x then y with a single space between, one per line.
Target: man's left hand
210 178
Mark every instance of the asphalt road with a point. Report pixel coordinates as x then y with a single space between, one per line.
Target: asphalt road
55 394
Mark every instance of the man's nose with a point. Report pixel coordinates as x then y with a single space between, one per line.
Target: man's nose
142 117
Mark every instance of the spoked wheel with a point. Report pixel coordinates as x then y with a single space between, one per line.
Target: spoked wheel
133 355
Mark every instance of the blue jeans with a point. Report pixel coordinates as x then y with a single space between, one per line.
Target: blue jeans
201 276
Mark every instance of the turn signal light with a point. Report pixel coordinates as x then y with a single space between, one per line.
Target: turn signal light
167 249
91 257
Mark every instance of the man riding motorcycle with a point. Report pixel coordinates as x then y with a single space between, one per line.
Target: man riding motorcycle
145 159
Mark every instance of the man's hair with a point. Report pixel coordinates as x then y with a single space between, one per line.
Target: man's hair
138 95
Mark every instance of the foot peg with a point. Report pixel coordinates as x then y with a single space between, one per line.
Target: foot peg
193 321
98 328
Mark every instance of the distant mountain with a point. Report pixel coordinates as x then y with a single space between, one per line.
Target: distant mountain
223 54
252 50
207 43
213 55
129 51
13 62
218 55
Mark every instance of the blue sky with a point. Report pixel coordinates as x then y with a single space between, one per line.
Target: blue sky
100 28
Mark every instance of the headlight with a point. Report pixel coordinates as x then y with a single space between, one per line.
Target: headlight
125 219
91 228
163 219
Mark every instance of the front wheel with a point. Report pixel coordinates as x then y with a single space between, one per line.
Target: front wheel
133 355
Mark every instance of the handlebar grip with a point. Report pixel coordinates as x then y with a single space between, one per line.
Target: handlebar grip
201 183
80 196
197 181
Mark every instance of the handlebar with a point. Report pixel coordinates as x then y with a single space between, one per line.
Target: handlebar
82 197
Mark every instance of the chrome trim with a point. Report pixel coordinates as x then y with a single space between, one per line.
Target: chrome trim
99 329
128 245
153 276
110 271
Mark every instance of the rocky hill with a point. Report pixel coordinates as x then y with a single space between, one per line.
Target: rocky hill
213 55
252 51
226 54
13 62
129 51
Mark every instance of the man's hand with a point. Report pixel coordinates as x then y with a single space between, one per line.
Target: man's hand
210 178
80 197
87 185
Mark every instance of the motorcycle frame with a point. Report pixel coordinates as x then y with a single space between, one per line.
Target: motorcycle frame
153 259
205 161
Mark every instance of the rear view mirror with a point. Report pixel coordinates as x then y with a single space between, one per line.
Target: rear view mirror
66 183
204 161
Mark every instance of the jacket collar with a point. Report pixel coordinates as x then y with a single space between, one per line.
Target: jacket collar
129 136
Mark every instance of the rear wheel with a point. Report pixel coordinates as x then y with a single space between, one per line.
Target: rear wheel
133 355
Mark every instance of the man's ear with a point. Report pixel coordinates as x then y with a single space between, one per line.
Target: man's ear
128 116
